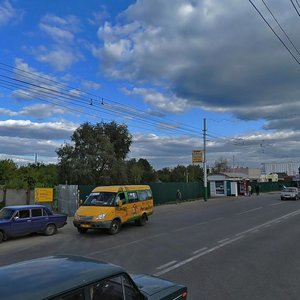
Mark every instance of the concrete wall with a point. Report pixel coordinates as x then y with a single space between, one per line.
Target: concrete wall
16 197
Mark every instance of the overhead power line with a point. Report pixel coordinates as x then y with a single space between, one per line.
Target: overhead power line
284 32
295 7
279 38
59 94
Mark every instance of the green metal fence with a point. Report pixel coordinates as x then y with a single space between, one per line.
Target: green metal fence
163 192
166 192
265 187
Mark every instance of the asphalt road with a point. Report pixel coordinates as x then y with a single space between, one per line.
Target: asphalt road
233 248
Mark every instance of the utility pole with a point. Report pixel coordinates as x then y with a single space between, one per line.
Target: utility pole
187 176
204 160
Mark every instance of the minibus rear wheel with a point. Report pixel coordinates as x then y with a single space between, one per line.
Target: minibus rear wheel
142 220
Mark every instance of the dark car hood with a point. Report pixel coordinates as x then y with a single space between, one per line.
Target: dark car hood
151 285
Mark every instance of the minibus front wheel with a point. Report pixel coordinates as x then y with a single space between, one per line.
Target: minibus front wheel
82 230
115 227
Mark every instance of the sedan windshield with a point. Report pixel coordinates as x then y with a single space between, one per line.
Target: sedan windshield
100 199
6 214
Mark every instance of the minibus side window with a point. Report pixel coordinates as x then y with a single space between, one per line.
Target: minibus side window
149 192
121 196
132 197
142 195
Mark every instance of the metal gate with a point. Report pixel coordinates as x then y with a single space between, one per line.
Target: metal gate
67 199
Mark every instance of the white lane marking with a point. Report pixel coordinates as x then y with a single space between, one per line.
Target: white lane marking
197 224
250 210
167 264
222 241
276 203
184 262
294 213
126 244
199 250
217 219
190 226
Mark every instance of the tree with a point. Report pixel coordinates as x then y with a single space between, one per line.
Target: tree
164 174
195 173
7 171
221 165
178 174
96 149
181 173
134 171
140 171
119 137
148 175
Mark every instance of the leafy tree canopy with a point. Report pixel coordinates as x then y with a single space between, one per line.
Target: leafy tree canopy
95 152
180 173
33 175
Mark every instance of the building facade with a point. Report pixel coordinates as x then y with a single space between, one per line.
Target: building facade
290 168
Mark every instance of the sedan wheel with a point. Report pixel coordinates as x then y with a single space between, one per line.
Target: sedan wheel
50 229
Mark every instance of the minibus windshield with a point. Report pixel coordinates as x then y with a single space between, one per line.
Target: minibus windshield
100 199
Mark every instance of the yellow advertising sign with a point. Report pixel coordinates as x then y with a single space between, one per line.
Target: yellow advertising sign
43 195
197 156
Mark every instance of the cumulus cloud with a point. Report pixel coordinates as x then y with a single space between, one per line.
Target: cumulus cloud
9 14
32 130
90 85
167 103
63 51
61 30
39 111
248 150
39 84
60 58
217 56
16 146
42 86
171 150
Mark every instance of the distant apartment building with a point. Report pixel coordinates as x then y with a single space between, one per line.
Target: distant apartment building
290 168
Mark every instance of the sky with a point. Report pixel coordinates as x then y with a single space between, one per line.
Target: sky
159 66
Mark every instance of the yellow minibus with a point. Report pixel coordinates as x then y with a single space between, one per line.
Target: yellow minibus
108 207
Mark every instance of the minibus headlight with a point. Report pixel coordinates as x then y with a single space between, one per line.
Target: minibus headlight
101 216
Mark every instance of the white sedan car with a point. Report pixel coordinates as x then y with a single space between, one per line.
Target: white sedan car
290 193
